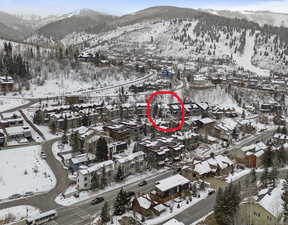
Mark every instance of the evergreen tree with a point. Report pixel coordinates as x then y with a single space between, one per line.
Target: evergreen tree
52 126
101 150
264 177
64 139
268 158
274 176
243 114
105 214
65 124
38 117
103 178
120 203
119 176
94 181
282 156
227 204
218 208
75 142
253 176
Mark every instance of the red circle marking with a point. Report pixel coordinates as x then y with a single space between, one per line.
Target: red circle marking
149 111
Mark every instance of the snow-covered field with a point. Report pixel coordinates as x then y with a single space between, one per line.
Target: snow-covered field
22 170
18 212
10 103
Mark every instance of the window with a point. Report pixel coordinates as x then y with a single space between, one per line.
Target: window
85 178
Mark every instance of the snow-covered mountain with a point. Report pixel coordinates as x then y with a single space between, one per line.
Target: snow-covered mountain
173 32
180 33
12 27
77 21
261 17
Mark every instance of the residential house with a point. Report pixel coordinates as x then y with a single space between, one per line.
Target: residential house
124 130
7 84
264 209
250 155
11 120
161 149
204 126
200 168
90 177
130 164
170 188
17 133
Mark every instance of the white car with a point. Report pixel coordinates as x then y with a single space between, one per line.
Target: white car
43 155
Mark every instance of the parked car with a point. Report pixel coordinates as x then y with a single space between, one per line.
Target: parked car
211 191
43 155
129 194
97 200
15 196
142 183
27 194
76 194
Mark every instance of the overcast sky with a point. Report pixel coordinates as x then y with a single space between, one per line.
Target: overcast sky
120 7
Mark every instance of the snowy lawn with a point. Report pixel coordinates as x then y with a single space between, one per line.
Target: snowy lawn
22 170
84 195
9 103
17 213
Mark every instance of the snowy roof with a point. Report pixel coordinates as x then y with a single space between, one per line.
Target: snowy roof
202 168
82 158
170 182
144 202
133 156
206 120
248 148
96 167
272 202
160 207
14 131
173 222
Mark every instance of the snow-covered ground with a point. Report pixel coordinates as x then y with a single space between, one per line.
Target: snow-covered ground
17 213
22 170
10 103
237 175
244 60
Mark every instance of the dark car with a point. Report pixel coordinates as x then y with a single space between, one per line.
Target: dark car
27 194
97 200
211 192
142 183
129 194
15 196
